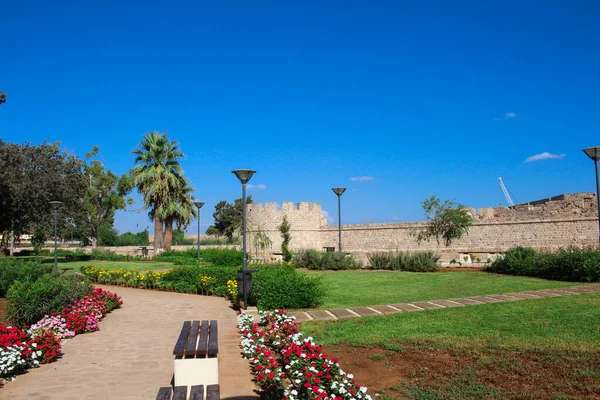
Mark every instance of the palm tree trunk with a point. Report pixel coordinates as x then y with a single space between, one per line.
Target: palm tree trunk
158 234
168 233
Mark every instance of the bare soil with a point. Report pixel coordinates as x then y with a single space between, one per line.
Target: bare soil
3 311
429 373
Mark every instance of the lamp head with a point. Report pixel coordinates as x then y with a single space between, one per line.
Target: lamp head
198 204
339 191
593 153
55 203
244 175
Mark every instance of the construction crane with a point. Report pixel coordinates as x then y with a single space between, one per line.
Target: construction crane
506 194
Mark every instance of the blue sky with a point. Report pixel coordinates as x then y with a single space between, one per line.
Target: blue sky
415 98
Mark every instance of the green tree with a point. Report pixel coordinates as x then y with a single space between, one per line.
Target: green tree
2 97
105 194
156 175
228 217
30 177
178 208
445 221
284 228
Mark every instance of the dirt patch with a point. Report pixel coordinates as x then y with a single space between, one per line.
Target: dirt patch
416 373
2 312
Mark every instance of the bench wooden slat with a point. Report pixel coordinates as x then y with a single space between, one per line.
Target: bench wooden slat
203 342
179 346
164 393
180 393
190 345
197 392
212 392
213 340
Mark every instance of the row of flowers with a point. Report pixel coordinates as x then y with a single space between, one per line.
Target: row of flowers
25 348
154 280
287 365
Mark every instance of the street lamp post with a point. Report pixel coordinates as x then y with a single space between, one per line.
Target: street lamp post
244 176
339 191
594 154
55 204
198 204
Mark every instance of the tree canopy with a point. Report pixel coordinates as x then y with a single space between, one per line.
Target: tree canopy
228 217
445 221
105 194
30 177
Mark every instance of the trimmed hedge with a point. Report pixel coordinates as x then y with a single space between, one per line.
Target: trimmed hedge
419 261
30 301
572 264
333 261
12 270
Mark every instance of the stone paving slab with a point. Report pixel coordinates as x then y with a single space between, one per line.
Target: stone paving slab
386 310
524 296
560 292
468 302
131 356
320 315
447 303
485 299
342 313
300 316
542 293
406 307
427 306
364 311
505 297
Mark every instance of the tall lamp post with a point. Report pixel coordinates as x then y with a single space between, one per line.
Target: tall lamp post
244 176
198 204
339 192
55 204
594 154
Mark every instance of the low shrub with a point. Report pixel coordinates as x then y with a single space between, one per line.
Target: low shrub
20 350
29 301
12 270
222 257
418 261
571 264
109 255
281 286
333 261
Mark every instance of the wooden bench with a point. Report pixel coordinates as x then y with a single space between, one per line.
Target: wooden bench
196 393
196 351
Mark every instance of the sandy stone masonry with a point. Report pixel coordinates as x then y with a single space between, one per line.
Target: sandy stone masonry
559 221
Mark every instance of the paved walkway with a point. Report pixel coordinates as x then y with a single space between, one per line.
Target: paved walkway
131 356
354 312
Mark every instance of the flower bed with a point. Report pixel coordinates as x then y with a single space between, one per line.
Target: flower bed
40 344
287 365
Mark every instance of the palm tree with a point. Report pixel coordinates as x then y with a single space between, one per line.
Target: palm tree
177 208
157 174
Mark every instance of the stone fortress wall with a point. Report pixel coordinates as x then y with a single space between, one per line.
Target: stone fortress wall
552 223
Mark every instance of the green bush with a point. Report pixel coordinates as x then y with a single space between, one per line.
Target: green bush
572 264
420 261
29 301
281 286
109 255
12 270
188 279
333 261
222 257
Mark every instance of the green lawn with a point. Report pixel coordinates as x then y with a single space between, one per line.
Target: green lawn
369 288
556 324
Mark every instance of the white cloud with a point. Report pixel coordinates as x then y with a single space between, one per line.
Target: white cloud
544 156
327 217
362 179
507 115
395 218
258 187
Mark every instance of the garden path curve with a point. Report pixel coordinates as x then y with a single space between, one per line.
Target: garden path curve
131 356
